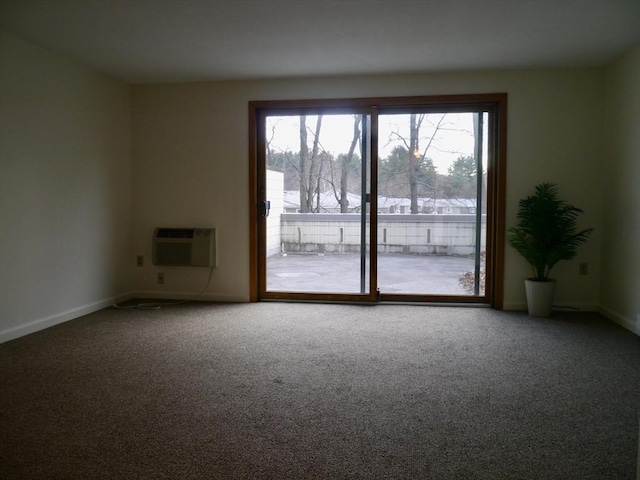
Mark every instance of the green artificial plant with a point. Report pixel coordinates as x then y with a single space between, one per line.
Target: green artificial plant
546 231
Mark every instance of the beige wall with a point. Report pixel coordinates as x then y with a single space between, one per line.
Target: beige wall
86 173
190 161
65 189
621 173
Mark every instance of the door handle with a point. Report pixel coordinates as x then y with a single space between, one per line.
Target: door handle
264 208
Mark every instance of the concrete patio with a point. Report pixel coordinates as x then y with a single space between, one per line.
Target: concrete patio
340 273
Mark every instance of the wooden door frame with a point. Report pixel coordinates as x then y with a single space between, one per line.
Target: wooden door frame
496 178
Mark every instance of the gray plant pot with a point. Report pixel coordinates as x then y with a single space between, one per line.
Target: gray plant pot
540 297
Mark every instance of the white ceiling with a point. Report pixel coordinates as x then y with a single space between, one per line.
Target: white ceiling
151 41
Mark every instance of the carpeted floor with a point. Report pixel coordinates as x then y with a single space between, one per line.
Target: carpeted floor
312 391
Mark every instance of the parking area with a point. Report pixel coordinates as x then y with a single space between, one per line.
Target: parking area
340 273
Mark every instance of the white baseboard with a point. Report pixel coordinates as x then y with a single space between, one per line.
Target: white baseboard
557 307
619 319
207 297
55 319
514 307
582 307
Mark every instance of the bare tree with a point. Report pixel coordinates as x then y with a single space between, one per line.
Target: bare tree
309 165
415 156
344 167
269 141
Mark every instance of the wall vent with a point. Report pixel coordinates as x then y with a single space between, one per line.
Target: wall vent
194 247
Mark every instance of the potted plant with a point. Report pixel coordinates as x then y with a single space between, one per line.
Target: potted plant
545 234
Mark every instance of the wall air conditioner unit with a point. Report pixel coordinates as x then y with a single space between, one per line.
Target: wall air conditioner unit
194 247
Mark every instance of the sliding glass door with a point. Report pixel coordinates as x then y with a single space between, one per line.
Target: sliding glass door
421 179
316 208
432 199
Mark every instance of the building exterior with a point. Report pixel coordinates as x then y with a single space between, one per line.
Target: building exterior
329 204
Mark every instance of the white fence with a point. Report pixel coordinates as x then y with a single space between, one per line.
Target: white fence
419 234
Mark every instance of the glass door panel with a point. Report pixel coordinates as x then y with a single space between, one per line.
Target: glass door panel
420 178
317 192
432 203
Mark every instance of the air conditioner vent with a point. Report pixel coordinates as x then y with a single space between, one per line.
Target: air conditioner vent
175 233
194 247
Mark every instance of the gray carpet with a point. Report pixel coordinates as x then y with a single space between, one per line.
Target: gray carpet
297 391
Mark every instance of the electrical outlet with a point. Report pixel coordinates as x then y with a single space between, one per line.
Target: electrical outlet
139 261
160 278
583 268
